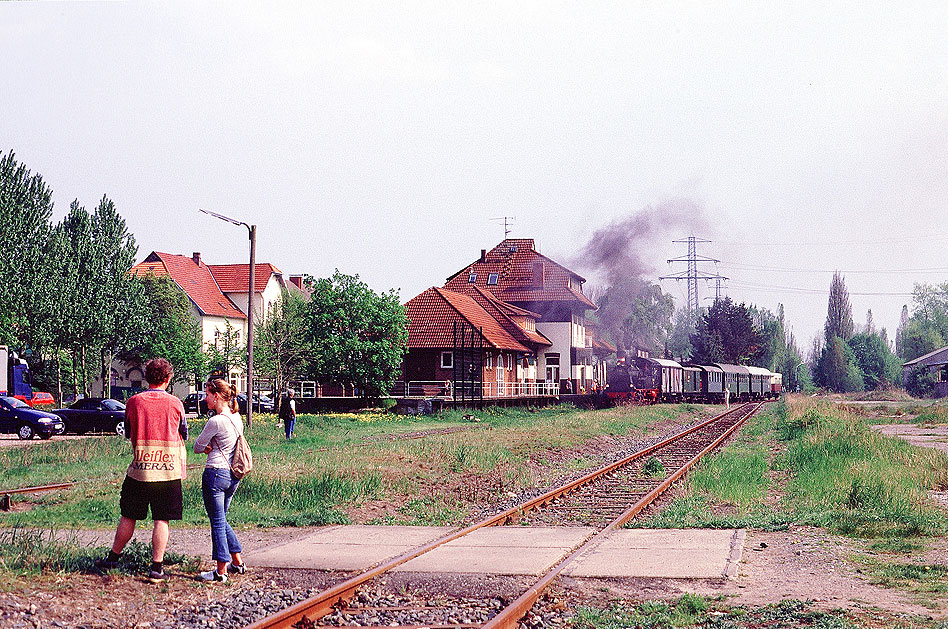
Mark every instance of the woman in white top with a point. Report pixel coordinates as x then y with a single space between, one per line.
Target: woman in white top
217 441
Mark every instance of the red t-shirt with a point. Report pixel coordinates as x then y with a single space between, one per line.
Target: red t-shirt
153 420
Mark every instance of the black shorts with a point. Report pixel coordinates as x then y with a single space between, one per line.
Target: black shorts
164 497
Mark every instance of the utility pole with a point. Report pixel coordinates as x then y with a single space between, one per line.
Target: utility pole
693 274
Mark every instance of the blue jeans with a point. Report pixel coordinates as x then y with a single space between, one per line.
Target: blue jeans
218 487
288 425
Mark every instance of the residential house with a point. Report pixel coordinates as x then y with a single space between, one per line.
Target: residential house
218 296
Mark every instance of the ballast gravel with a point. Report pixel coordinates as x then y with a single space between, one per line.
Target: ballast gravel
371 607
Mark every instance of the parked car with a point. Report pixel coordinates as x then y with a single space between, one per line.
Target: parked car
261 403
94 414
195 403
40 398
17 418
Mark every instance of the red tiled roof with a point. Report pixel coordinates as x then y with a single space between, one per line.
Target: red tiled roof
195 279
523 275
233 278
510 316
431 316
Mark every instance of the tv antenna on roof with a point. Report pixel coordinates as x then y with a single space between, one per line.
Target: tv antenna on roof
508 221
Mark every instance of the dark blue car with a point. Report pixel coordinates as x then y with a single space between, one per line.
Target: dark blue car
16 417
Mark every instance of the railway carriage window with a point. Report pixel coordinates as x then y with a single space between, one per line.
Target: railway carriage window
447 360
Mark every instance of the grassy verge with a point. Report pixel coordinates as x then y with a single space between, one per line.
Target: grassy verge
30 552
337 463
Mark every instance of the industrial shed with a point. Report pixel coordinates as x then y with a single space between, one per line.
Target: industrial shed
936 361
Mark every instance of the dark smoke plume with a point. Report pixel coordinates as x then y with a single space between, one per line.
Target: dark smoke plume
622 256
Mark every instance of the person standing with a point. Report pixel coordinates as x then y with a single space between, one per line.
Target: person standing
288 413
218 484
154 421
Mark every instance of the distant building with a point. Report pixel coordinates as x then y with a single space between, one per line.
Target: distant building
531 310
218 296
935 362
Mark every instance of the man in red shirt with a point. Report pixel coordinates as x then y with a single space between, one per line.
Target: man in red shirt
155 423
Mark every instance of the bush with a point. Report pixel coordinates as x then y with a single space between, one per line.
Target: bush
921 382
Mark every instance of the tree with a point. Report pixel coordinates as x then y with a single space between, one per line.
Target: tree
918 339
227 351
648 319
356 336
839 312
903 321
921 381
25 210
679 341
874 358
726 333
837 369
164 326
280 349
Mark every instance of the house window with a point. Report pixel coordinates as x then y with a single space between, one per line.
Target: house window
447 360
552 359
492 279
472 278
490 361
530 325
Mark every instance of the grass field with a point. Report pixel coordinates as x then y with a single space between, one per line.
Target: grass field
336 462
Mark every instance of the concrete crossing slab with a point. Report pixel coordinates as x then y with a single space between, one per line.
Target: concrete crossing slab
668 553
348 547
507 550
516 550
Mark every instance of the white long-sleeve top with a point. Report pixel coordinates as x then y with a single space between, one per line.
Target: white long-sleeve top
221 434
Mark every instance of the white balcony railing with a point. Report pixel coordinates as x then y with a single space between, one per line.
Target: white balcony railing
445 389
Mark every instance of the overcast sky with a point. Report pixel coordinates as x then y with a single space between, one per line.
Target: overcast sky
381 139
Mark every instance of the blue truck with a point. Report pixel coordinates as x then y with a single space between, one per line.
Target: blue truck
15 378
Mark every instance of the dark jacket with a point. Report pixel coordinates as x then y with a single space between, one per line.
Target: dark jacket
286 410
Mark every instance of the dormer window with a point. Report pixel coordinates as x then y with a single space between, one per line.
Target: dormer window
472 278
530 325
492 279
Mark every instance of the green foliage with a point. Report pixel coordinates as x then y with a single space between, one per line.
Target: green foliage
25 210
879 366
684 612
356 336
839 312
836 368
921 381
679 341
918 338
726 333
653 468
634 312
164 326
280 349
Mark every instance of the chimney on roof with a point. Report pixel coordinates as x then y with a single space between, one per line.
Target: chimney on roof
483 255
297 281
196 256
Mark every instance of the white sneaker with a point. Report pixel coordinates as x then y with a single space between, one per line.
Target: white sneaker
211 575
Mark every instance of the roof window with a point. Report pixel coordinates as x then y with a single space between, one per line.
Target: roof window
472 278
492 279
513 248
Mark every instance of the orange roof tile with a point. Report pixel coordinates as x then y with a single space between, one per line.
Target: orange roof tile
195 279
431 316
234 278
522 275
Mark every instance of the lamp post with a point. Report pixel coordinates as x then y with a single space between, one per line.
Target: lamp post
252 234
799 381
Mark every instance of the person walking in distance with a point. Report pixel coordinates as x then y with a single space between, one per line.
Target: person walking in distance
218 484
154 421
288 413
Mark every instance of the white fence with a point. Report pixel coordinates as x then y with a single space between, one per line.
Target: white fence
445 389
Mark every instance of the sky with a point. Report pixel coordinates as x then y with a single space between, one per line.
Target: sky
386 139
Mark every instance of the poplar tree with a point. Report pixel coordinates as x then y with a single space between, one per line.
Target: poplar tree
839 312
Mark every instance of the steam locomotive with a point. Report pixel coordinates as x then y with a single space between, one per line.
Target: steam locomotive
650 380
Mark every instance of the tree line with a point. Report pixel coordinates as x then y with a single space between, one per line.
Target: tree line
69 304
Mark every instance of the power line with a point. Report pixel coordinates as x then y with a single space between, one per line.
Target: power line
773 269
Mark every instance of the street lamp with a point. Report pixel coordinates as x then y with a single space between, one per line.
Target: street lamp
799 380
252 234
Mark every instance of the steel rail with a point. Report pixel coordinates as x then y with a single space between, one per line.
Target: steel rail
510 616
30 490
323 602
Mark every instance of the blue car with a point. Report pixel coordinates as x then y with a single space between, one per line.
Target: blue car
16 417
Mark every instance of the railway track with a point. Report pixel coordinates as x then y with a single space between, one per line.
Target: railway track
615 493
